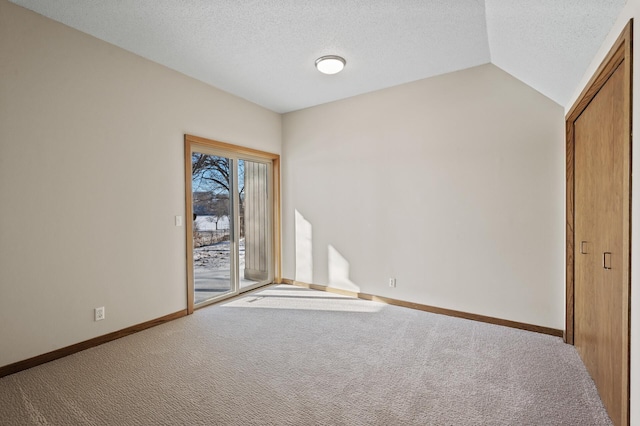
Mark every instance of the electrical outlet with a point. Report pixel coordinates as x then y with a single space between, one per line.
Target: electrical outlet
99 313
392 282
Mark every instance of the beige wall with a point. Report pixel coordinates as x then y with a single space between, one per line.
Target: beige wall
91 176
630 11
454 185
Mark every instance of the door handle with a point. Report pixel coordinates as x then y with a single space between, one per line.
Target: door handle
583 247
606 260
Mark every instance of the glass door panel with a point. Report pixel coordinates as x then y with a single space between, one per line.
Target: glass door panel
213 224
254 224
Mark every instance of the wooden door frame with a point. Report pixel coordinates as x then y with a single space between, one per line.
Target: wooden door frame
621 54
276 242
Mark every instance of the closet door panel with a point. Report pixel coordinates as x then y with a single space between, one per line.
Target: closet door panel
599 199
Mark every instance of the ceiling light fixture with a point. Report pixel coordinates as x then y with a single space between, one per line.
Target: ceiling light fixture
330 64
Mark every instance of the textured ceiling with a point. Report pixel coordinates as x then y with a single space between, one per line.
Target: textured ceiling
264 50
548 44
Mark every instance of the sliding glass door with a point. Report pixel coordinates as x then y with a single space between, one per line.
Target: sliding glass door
230 240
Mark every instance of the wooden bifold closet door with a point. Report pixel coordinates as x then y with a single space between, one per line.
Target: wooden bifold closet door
599 130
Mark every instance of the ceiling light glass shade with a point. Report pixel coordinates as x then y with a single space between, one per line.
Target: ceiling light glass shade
330 64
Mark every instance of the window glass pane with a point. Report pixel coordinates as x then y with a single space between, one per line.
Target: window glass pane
254 223
212 225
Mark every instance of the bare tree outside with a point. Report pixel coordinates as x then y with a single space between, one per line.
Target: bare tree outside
212 174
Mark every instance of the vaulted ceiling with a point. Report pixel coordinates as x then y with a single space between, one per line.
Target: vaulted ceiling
264 50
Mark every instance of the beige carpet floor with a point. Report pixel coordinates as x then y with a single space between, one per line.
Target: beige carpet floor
291 356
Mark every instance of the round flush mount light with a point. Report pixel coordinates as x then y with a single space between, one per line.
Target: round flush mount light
330 64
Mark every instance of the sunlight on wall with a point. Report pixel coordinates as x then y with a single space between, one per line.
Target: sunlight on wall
339 271
304 249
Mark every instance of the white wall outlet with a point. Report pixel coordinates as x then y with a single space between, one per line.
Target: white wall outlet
392 282
99 313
